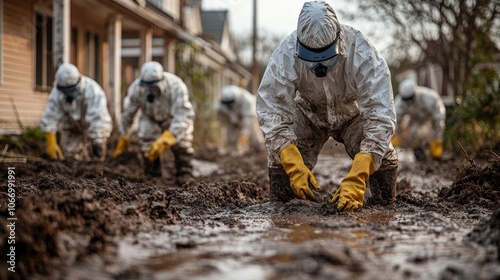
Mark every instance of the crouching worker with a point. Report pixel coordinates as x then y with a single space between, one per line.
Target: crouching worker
77 108
421 120
236 113
327 80
166 120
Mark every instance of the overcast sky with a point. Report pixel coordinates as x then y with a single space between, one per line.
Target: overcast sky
280 17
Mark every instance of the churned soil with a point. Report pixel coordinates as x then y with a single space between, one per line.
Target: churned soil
107 220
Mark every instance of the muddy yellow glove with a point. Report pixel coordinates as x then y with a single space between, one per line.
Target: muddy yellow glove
436 149
164 142
351 192
242 144
121 146
53 150
395 141
300 176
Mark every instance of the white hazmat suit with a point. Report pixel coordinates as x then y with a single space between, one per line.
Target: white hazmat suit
236 112
77 108
166 120
350 99
421 119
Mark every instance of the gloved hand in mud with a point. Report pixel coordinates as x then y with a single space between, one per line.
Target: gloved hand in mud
351 192
122 146
242 144
164 142
53 150
436 149
300 176
395 141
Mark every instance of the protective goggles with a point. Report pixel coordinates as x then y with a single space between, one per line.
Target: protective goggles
150 85
317 54
69 90
228 103
409 99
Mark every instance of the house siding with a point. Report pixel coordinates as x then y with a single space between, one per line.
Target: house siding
16 90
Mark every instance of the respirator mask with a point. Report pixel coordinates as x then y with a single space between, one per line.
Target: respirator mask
319 60
71 92
152 90
321 68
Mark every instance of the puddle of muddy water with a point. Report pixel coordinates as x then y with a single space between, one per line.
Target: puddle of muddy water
259 243
413 245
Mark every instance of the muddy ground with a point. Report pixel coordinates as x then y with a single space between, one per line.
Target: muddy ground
108 221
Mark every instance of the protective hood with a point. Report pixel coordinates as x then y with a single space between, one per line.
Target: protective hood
151 72
319 35
229 93
67 75
407 89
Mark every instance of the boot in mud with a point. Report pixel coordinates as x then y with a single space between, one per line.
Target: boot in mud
419 154
183 165
383 185
152 168
279 184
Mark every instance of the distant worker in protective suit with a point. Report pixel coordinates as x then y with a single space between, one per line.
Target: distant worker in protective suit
327 80
77 108
236 112
421 120
166 120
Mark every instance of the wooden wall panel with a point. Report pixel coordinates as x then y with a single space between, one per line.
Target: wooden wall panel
18 67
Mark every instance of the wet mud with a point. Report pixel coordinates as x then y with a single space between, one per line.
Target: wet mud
109 221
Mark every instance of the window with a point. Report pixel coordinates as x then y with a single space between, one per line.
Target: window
44 65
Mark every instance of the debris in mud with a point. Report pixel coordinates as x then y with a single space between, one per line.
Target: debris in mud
110 221
475 185
65 219
488 233
58 229
319 259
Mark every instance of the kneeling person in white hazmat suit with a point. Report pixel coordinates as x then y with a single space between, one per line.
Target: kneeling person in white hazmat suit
77 108
236 112
421 120
166 120
327 80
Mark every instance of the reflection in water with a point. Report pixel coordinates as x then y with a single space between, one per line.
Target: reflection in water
264 246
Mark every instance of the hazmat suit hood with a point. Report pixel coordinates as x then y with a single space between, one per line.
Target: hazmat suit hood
151 71
152 80
319 32
407 89
67 75
69 81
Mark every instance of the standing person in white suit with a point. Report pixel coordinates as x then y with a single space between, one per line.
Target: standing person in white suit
78 109
327 80
236 112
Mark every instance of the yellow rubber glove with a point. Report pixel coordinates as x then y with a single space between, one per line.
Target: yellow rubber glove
53 150
300 176
351 192
436 149
121 146
395 141
242 143
164 142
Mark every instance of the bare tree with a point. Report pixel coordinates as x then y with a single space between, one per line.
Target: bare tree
455 34
267 43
